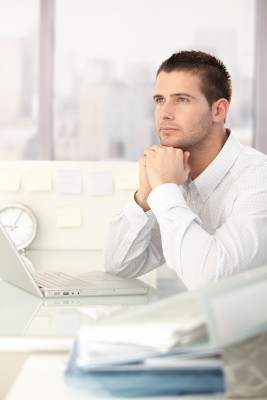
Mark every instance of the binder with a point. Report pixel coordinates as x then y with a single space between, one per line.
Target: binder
149 347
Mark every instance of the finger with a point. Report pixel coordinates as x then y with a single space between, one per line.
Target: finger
187 171
154 148
142 158
142 161
186 156
148 152
186 165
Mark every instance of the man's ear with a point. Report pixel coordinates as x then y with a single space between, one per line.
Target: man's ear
219 110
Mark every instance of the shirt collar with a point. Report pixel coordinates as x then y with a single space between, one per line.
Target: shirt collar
210 178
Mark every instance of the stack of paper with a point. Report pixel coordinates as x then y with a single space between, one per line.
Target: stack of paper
171 346
144 373
159 326
154 350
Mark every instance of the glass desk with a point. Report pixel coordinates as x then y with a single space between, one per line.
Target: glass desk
26 316
31 325
35 336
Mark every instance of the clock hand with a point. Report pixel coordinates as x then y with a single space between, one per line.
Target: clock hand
15 223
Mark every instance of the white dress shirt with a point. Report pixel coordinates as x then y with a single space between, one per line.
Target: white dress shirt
207 229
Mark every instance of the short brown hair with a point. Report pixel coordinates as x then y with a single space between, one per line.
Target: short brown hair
215 79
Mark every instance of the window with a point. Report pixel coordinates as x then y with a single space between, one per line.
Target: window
106 54
18 78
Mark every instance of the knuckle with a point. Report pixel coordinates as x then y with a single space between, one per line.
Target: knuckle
179 151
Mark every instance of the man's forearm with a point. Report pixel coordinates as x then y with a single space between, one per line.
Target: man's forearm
141 200
198 257
133 243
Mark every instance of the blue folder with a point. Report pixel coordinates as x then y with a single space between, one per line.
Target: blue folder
140 380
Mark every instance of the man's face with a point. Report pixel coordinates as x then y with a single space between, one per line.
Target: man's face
183 115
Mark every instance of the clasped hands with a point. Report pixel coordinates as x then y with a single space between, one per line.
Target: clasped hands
159 165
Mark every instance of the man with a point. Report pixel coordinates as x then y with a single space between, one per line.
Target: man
201 206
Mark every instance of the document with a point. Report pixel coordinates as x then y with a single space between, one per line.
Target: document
172 346
176 320
142 378
175 324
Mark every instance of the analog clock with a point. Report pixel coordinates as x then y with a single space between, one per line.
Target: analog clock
20 223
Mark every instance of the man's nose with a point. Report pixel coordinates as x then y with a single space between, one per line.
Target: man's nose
167 111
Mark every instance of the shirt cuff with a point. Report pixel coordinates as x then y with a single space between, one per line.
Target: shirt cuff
135 214
165 196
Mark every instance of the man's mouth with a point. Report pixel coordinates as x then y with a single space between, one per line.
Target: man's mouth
168 130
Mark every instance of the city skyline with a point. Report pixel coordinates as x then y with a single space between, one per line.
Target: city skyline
102 105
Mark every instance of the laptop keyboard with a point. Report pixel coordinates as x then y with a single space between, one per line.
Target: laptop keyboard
52 279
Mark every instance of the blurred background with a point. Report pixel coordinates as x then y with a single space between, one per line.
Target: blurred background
77 76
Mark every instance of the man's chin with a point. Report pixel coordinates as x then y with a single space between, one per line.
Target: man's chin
170 143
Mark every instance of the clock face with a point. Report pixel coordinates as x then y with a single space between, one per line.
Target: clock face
20 224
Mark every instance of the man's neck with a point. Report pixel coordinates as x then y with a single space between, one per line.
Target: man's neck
200 158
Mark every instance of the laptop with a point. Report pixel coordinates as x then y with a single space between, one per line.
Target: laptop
51 284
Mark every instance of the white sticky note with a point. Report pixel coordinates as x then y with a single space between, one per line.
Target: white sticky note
127 179
38 180
69 215
100 183
9 179
69 181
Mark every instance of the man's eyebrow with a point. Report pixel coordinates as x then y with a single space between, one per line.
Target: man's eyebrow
182 94
156 96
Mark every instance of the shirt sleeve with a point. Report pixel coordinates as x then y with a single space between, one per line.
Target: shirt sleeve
133 243
200 258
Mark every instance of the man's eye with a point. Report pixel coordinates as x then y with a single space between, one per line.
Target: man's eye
159 100
182 100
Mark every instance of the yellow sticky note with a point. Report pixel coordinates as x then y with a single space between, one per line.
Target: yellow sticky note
38 179
69 215
9 179
127 179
